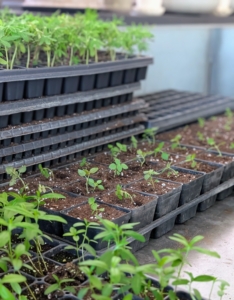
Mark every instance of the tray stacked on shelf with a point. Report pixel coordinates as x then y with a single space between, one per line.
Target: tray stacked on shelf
51 115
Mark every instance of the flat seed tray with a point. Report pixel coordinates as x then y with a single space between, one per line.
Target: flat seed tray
169 109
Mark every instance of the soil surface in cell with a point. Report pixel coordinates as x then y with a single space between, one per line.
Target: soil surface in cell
38 291
137 199
61 204
43 248
201 167
157 187
179 177
40 268
215 158
63 256
84 212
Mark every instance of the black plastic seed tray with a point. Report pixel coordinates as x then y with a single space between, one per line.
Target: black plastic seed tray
25 111
170 109
77 148
54 126
22 83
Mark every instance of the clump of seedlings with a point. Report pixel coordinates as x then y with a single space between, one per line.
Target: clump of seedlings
117 149
149 135
118 167
122 194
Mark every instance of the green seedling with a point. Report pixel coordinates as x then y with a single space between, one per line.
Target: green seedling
116 150
96 184
47 173
84 162
164 155
134 143
86 174
211 142
149 135
141 156
117 167
231 146
96 211
191 159
176 141
200 136
148 176
58 286
201 122
229 115
169 170
122 194
15 175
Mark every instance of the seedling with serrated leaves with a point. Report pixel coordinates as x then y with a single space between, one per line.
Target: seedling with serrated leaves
96 211
122 194
134 143
200 136
176 141
164 155
191 158
148 176
117 166
149 135
47 173
141 156
86 174
211 142
201 122
15 175
116 150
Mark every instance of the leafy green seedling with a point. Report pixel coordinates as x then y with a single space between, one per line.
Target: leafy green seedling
122 194
84 162
116 150
231 146
164 155
117 167
211 142
191 159
169 170
96 184
47 173
201 122
96 211
58 286
141 156
200 136
176 141
15 175
149 135
134 143
148 176
86 174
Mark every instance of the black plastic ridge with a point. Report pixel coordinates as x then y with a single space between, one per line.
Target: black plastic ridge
69 121
13 107
71 135
73 149
78 70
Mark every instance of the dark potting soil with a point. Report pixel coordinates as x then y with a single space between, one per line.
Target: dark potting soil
136 201
79 188
40 269
38 291
172 159
201 167
44 247
181 150
84 212
157 188
179 177
67 271
61 204
215 158
63 256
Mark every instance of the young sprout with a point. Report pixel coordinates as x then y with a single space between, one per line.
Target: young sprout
229 115
211 142
121 194
200 136
58 285
116 150
141 156
117 167
176 141
96 184
164 155
84 162
191 158
15 175
149 135
134 143
169 170
231 146
201 122
86 174
148 176
96 211
47 173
